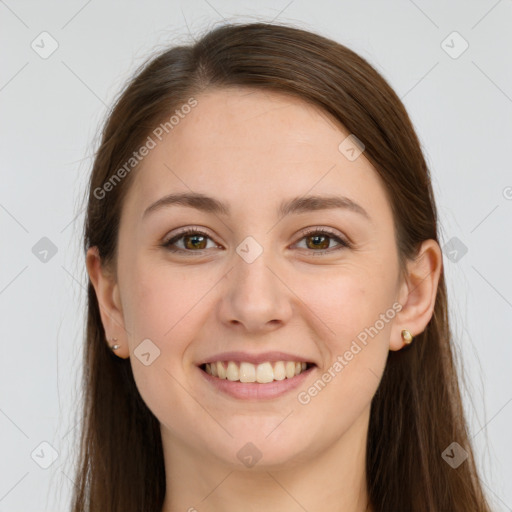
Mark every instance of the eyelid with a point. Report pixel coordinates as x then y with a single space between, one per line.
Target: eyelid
320 229
186 230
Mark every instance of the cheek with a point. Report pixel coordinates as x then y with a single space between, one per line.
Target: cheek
161 303
348 301
356 305
359 315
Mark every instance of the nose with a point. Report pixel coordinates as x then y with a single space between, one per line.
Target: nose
255 296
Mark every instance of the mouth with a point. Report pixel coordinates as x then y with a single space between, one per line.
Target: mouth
262 373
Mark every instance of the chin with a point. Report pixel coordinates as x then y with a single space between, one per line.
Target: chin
251 450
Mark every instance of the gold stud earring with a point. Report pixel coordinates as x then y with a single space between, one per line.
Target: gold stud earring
407 336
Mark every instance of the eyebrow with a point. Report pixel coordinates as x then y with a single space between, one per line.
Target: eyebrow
295 205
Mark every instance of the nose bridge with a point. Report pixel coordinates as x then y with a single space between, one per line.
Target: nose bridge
254 295
252 274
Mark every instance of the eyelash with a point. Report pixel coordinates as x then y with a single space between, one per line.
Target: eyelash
193 231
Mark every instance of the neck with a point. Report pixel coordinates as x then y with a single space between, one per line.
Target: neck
334 480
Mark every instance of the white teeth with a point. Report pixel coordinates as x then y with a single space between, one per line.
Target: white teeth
221 371
279 371
248 372
264 373
232 373
290 369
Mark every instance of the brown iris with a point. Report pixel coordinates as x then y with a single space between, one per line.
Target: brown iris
325 244
196 245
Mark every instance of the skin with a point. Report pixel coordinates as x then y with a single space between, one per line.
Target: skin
252 150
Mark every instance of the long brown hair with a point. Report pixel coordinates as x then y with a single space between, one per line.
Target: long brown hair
417 410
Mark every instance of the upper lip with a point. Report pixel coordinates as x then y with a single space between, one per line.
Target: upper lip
255 358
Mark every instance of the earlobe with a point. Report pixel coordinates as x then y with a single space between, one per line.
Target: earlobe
418 294
107 294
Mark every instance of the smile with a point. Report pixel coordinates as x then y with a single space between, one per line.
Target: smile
262 373
248 381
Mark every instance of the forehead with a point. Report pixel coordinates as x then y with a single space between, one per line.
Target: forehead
247 120
254 147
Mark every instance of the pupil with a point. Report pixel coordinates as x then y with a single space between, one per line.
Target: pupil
319 237
194 246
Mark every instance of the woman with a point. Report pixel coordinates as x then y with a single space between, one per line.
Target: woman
267 318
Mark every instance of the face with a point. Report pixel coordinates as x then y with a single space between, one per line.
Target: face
316 285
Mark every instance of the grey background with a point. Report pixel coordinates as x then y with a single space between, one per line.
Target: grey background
51 109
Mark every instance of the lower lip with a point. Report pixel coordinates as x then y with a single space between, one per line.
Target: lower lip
255 390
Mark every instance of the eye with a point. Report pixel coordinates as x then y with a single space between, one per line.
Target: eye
194 241
319 241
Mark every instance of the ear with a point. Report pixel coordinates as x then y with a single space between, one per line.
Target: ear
107 293
417 293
